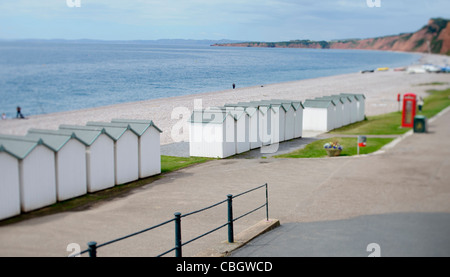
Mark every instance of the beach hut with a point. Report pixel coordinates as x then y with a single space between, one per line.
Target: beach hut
277 119
268 133
290 111
261 115
9 182
352 103
346 108
361 105
36 169
99 155
299 108
211 134
354 109
339 109
253 123
126 150
70 162
318 115
241 130
149 136
298 116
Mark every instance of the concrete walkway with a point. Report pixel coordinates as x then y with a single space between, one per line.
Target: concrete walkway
181 149
343 194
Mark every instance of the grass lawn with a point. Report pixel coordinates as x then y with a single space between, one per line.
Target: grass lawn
316 150
170 163
435 102
385 124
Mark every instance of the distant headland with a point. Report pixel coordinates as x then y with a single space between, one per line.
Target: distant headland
434 37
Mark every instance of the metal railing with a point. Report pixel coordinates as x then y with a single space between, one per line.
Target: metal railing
93 247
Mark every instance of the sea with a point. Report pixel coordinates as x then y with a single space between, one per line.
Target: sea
52 76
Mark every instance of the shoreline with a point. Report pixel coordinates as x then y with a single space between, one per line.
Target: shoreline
170 114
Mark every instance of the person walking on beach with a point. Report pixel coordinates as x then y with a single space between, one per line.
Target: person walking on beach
234 85
19 112
3 116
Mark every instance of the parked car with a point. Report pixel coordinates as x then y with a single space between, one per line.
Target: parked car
431 68
415 69
445 69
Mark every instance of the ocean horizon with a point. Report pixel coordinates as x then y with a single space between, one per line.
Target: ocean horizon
52 76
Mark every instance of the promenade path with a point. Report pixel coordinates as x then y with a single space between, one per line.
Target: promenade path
410 178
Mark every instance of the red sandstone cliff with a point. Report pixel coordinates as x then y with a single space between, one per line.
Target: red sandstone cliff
433 37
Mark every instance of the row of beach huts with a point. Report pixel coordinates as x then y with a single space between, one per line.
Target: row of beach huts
221 132
47 166
44 167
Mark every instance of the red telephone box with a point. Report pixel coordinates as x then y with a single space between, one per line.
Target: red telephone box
409 110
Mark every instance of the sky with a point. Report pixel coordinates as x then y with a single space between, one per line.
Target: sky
246 20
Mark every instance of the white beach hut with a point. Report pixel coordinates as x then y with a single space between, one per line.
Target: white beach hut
354 111
346 109
298 116
352 102
253 123
277 119
126 150
9 181
70 162
339 110
211 134
264 122
99 155
318 115
241 127
149 145
36 168
268 133
299 108
290 111
361 105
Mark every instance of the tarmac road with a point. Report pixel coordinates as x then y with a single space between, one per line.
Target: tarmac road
384 235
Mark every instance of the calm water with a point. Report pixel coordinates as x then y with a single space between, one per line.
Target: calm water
47 77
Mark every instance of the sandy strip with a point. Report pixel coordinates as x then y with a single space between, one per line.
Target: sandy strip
170 114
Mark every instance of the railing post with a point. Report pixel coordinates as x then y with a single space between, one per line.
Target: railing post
267 203
230 219
178 252
92 249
